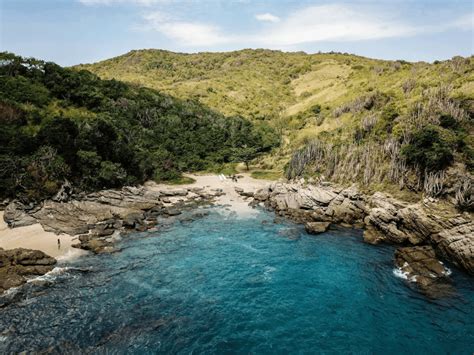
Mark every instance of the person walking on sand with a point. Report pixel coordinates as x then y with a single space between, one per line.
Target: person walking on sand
59 243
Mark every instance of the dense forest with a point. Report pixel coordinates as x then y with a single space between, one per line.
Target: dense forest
61 124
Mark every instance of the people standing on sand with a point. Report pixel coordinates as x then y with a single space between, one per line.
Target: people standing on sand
59 243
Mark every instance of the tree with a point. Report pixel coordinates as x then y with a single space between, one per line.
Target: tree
245 154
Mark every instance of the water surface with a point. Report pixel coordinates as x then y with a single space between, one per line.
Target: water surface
223 284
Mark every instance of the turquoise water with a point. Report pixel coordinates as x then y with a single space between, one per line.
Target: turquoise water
228 285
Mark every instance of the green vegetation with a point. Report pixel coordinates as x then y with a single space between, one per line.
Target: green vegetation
182 180
340 117
266 174
61 124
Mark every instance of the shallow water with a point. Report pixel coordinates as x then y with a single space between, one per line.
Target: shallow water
229 285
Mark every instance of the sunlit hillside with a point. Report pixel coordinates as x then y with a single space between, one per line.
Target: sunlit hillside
367 112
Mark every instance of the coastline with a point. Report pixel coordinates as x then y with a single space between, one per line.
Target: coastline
94 222
36 238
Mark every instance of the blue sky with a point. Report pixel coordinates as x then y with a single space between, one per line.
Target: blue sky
82 31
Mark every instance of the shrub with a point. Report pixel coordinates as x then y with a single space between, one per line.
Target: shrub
428 150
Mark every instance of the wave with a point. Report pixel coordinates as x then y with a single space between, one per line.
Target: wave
71 254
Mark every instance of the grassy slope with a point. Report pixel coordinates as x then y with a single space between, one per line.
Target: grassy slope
283 87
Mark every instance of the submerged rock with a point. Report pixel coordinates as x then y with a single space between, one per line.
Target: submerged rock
17 265
420 266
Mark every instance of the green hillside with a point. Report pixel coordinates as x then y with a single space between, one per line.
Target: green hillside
383 124
60 124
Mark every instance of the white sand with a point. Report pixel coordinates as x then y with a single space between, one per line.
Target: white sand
35 237
232 200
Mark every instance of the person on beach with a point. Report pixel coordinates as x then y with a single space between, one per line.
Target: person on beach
59 243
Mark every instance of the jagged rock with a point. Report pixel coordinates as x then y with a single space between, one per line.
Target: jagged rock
262 194
15 216
416 224
95 244
133 219
172 211
345 211
241 192
175 192
317 227
64 192
17 265
420 265
457 245
372 236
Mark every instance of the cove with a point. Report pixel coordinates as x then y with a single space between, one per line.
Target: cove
229 284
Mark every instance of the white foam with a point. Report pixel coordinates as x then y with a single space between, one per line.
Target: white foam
71 254
50 276
398 272
447 271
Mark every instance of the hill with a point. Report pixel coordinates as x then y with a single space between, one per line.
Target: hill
383 124
60 124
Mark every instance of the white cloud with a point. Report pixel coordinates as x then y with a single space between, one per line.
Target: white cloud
267 17
112 2
335 22
186 33
466 22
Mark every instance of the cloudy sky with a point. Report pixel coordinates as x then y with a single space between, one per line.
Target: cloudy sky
81 31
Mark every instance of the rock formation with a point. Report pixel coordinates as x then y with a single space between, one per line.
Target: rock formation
95 217
17 265
384 218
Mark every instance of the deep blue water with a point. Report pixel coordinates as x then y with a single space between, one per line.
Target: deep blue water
227 285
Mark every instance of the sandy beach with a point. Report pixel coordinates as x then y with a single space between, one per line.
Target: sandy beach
35 237
233 202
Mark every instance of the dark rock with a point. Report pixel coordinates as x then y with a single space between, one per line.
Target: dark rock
64 193
420 266
17 265
172 211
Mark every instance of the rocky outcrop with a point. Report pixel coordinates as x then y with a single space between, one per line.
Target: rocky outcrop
383 218
15 215
420 266
457 243
17 265
95 217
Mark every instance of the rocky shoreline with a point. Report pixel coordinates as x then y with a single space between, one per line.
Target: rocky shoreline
425 235
419 228
96 220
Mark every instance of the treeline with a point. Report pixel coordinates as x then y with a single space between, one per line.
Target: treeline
58 123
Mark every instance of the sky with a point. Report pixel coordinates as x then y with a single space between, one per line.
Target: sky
70 32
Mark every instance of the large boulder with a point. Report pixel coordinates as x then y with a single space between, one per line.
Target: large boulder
317 227
15 215
17 265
